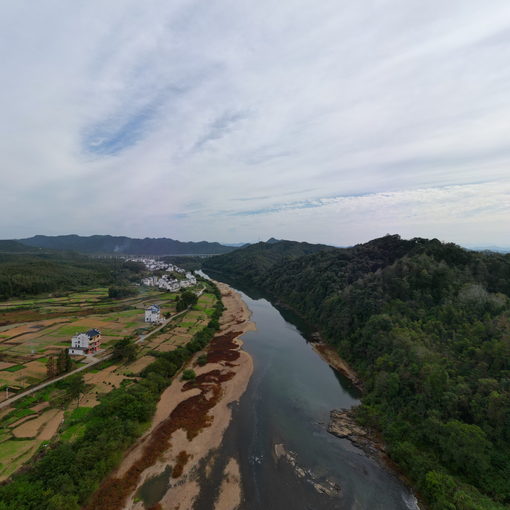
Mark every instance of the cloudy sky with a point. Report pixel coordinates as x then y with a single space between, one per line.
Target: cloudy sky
326 121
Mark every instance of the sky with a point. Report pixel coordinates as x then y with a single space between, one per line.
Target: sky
234 121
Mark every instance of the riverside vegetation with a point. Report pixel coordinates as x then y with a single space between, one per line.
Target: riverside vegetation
66 473
427 326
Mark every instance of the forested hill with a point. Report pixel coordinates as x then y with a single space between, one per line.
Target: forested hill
252 262
105 244
30 274
427 325
8 246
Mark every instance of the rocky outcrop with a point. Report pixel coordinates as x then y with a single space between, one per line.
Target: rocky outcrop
321 485
343 424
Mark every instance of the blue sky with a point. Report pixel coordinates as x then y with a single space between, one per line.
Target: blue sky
234 121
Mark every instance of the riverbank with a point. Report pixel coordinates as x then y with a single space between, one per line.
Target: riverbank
332 358
160 471
343 424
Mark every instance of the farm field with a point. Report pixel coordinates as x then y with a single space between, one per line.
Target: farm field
31 423
28 337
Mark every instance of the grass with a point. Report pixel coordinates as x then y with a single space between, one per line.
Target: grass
69 330
73 433
10 449
14 416
18 453
78 413
15 368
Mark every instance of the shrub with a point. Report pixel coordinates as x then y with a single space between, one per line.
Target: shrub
188 374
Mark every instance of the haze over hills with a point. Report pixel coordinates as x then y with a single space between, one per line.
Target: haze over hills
122 245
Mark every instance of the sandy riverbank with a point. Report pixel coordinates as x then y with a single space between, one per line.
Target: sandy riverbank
189 423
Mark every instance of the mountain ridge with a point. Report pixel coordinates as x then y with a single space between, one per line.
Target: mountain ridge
123 245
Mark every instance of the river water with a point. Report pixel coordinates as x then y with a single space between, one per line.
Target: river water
287 403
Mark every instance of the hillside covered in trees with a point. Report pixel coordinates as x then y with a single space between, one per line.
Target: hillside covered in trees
427 326
35 272
250 263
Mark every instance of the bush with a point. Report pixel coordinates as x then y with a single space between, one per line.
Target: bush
188 375
121 291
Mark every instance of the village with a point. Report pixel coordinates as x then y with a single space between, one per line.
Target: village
168 276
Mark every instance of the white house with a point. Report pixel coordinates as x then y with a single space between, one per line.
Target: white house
153 314
85 343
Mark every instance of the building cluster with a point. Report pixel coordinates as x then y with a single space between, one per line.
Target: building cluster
85 343
167 280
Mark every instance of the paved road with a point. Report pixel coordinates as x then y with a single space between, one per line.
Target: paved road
94 361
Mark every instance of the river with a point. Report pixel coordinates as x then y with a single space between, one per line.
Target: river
287 402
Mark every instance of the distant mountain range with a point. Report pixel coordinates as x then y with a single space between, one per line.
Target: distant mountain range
121 245
495 249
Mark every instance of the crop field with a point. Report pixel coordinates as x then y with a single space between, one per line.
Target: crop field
33 330
29 424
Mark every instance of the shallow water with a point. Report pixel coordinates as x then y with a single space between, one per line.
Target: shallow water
287 402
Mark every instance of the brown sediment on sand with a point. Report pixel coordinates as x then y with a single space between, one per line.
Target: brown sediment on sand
189 422
229 497
332 358
181 460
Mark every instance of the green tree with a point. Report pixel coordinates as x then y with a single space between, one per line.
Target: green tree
75 387
68 361
188 374
51 368
121 291
61 361
125 349
465 448
185 300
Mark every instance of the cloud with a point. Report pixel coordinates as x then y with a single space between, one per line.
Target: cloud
218 121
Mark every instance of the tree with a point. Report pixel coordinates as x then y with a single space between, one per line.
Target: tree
61 362
51 368
188 374
68 362
465 448
121 291
125 349
75 387
186 299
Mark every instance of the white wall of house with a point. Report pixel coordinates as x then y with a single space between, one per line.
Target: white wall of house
152 316
82 340
79 352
